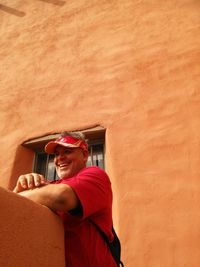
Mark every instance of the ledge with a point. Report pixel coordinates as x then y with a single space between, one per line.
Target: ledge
31 234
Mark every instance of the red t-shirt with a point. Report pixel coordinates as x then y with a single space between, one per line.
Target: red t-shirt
85 247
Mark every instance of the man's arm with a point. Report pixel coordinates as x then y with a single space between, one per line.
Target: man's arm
59 197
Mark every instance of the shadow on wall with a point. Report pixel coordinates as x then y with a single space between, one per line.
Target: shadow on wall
12 11
19 13
54 2
22 164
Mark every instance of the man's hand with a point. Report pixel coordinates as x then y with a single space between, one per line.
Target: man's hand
29 181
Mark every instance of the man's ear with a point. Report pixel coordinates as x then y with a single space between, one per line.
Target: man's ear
85 155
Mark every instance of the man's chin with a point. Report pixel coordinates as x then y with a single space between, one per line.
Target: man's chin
64 175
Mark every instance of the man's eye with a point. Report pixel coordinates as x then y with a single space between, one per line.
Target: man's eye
68 151
65 152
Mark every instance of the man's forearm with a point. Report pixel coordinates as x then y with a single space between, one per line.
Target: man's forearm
56 197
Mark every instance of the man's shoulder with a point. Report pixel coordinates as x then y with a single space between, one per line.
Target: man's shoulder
93 170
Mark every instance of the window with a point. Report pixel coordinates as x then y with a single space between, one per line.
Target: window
44 164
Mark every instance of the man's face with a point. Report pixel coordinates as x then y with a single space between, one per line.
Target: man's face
69 161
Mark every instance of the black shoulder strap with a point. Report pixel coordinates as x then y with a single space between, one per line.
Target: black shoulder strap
114 246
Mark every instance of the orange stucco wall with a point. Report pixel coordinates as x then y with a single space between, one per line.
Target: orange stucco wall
27 240
132 67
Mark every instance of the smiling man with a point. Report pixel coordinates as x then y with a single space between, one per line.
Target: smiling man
82 197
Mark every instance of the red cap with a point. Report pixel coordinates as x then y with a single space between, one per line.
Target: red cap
66 141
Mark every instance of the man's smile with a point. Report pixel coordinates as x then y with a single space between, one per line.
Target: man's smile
64 165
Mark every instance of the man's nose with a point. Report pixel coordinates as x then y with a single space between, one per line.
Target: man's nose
61 156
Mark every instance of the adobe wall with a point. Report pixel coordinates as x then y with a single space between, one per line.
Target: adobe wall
132 67
26 238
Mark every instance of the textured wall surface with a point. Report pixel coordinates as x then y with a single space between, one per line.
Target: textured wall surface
27 239
133 67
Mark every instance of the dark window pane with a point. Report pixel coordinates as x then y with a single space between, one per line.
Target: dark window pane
96 156
51 171
40 163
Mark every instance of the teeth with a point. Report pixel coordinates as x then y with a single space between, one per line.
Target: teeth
63 165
